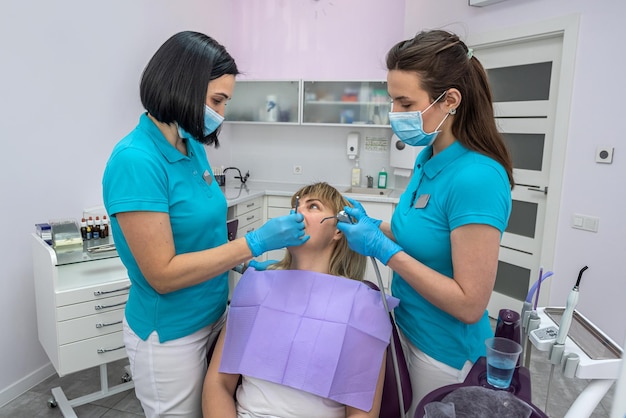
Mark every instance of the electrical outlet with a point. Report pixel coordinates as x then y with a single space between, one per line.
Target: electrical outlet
297 169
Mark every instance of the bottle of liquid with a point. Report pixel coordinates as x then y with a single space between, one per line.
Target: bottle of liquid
272 108
104 232
90 228
83 228
382 179
96 228
356 175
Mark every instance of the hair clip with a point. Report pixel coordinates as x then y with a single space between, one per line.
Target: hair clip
470 53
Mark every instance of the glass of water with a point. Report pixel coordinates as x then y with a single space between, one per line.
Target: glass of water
502 355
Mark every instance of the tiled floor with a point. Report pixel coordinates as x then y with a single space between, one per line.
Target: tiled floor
34 403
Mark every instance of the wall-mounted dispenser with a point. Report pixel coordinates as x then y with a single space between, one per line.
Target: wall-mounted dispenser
402 157
352 145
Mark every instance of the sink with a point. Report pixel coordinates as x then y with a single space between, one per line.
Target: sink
369 191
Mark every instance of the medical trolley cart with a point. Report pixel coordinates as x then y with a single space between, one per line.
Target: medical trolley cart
80 294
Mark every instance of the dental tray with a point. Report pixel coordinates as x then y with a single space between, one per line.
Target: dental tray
587 336
600 357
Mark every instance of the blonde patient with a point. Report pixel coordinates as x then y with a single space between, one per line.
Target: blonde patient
325 252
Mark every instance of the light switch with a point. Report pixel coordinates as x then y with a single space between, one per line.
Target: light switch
585 222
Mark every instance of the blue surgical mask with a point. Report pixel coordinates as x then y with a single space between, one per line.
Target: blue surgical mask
212 121
409 126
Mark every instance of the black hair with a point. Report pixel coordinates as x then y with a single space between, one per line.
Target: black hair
174 83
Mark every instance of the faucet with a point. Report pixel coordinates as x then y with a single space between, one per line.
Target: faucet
241 178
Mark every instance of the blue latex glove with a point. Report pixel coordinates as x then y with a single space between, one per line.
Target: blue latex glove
357 205
261 265
284 231
365 237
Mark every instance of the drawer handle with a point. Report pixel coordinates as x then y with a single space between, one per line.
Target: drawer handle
107 350
250 218
100 307
250 230
249 205
104 292
102 325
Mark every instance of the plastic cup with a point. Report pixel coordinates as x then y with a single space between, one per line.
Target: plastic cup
502 355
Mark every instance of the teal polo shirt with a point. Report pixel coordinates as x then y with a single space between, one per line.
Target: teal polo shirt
456 187
146 173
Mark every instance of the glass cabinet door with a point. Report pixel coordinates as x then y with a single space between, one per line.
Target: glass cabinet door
264 102
345 103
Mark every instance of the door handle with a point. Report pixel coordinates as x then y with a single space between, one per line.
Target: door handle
539 189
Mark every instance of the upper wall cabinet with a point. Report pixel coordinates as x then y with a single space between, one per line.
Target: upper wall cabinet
345 102
265 102
310 103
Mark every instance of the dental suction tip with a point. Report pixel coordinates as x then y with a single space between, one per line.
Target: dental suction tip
580 275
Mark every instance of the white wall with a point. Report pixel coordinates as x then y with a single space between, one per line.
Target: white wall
69 89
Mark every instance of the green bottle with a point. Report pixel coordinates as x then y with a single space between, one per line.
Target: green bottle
382 179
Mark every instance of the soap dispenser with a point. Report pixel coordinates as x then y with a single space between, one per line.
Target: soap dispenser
356 175
382 179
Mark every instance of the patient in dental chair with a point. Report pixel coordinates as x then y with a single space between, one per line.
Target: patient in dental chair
302 338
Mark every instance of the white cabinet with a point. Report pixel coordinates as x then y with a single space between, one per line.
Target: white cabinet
332 103
277 206
80 300
265 102
249 215
383 211
345 103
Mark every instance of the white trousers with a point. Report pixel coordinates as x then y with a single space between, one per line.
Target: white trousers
428 374
168 376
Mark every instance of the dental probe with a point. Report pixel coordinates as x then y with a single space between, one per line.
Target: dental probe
297 203
556 353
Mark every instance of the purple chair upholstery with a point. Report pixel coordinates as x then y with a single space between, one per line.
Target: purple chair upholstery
390 405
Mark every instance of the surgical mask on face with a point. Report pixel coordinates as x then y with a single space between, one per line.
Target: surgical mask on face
409 126
212 120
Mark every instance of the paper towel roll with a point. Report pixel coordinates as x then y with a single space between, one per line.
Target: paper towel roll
402 172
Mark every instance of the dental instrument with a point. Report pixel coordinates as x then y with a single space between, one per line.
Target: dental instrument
558 349
530 319
342 216
297 203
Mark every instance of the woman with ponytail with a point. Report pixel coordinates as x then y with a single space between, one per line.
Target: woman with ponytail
444 237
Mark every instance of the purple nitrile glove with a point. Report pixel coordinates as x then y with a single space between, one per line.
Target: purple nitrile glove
365 237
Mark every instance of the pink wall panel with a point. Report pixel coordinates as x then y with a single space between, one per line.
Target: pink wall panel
314 39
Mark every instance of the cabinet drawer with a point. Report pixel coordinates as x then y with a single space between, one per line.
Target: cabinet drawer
90 273
248 206
90 326
250 218
276 212
251 227
92 352
96 291
92 307
279 201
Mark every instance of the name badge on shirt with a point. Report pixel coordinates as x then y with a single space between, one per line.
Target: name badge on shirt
422 201
207 177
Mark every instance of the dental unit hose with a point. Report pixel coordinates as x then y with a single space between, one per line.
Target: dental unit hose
342 216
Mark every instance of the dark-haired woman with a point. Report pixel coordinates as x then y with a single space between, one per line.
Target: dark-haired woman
168 218
444 237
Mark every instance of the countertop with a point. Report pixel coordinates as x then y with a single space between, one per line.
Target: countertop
239 193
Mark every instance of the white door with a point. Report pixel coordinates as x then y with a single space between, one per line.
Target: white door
524 78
